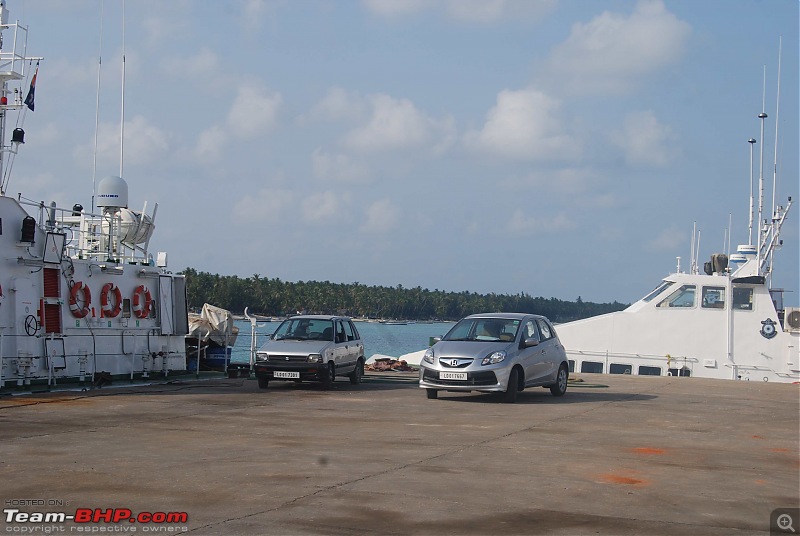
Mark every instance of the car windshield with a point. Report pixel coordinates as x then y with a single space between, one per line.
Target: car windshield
484 329
303 329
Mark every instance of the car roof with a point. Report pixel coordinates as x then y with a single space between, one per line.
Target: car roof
510 316
319 317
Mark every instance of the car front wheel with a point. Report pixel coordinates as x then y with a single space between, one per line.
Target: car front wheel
327 379
433 394
263 383
510 395
560 387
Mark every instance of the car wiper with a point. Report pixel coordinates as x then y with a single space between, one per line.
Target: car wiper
464 339
289 338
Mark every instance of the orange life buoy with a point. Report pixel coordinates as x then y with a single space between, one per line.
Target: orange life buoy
142 301
79 308
110 307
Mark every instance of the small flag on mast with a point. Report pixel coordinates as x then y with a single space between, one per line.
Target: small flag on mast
29 98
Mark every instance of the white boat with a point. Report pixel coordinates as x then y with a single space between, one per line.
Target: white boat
724 322
81 297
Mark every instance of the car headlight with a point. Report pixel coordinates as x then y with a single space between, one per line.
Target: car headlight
494 357
314 358
260 356
428 357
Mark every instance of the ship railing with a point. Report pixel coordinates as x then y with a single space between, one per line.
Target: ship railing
13 61
89 236
621 355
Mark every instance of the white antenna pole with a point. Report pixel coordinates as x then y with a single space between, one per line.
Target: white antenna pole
697 255
122 119
692 260
777 109
97 105
752 142
761 116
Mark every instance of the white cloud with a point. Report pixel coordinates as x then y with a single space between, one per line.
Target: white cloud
339 104
611 53
668 239
144 143
488 11
524 124
197 66
644 141
397 123
521 223
382 216
324 207
266 206
472 11
253 111
394 8
209 144
337 167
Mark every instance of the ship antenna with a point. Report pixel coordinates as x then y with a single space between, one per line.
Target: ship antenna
773 221
97 104
122 119
762 116
752 142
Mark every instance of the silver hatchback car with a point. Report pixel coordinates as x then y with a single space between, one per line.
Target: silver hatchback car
496 352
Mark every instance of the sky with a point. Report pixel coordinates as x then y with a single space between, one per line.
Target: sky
560 148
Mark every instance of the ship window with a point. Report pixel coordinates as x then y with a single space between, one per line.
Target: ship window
681 298
617 368
743 299
571 363
713 297
658 290
592 367
649 371
680 372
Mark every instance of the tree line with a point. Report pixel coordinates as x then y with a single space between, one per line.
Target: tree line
273 297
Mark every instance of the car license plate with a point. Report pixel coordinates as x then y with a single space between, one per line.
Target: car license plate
453 376
282 374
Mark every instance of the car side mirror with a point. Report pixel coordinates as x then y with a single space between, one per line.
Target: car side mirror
436 339
527 343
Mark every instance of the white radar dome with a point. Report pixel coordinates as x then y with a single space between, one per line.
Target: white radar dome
112 192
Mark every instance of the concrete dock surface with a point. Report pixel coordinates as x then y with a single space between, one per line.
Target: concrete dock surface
617 455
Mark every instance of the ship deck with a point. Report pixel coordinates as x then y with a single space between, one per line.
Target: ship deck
616 455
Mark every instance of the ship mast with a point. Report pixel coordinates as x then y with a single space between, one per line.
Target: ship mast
13 60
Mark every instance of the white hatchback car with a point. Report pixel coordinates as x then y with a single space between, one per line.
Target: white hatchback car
311 348
496 352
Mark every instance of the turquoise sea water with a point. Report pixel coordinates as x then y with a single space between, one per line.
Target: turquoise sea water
388 340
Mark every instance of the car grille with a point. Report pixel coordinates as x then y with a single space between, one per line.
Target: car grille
473 378
453 362
288 358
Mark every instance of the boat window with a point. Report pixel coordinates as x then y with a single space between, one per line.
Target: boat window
658 290
680 372
649 371
593 367
617 368
743 299
683 298
571 363
713 297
